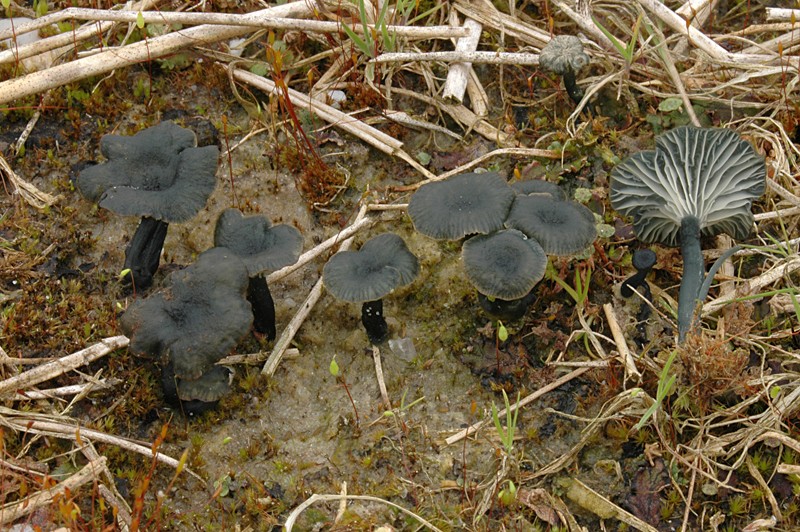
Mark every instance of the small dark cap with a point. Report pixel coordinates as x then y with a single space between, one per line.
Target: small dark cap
539 186
505 264
383 264
212 386
564 53
462 205
561 227
261 246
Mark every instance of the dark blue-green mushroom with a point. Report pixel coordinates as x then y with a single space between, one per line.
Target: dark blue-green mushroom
697 182
263 248
561 227
366 276
504 267
157 174
195 321
461 205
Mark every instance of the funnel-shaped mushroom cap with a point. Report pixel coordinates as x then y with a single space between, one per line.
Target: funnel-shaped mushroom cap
564 53
539 186
198 319
710 174
157 173
505 264
261 246
212 386
561 227
382 264
461 205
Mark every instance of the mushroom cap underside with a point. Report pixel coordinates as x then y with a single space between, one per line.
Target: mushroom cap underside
561 227
198 319
461 205
262 247
383 264
505 265
710 174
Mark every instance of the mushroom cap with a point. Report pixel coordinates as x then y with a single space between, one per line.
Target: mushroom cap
212 386
708 173
461 205
644 259
564 53
505 264
561 227
157 173
198 319
539 186
261 246
382 264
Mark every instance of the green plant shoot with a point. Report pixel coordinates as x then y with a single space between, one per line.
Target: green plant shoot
625 50
666 383
334 367
507 434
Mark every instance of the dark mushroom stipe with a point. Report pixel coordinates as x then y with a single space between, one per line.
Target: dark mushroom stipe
169 385
570 83
643 261
374 323
693 274
263 306
143 252
507 311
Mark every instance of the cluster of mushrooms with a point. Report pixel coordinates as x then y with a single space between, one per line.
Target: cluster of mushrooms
697 182
507 232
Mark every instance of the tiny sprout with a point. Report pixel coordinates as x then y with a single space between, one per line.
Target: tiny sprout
774 392
227 440
508 494
334 367
124 273
139 20
502 332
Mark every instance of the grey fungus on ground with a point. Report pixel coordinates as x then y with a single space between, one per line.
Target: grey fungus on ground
196 396
643 261
197 319
263 248
561 227
381 265
564 56
539 186
504 267
696 182
465 204
158 174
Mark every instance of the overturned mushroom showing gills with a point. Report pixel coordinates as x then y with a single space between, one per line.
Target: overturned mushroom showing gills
462 205
504 266
366 276
157 174
698 181
263 248
564 56
561 227
197 319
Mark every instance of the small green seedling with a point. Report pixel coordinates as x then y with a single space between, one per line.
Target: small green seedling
508 494
507 434
625 50
502 332
666 383
333 368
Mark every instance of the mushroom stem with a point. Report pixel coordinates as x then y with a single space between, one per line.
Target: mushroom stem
575 92
643 261
506 310
263 306
144 252
374 323
693 273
